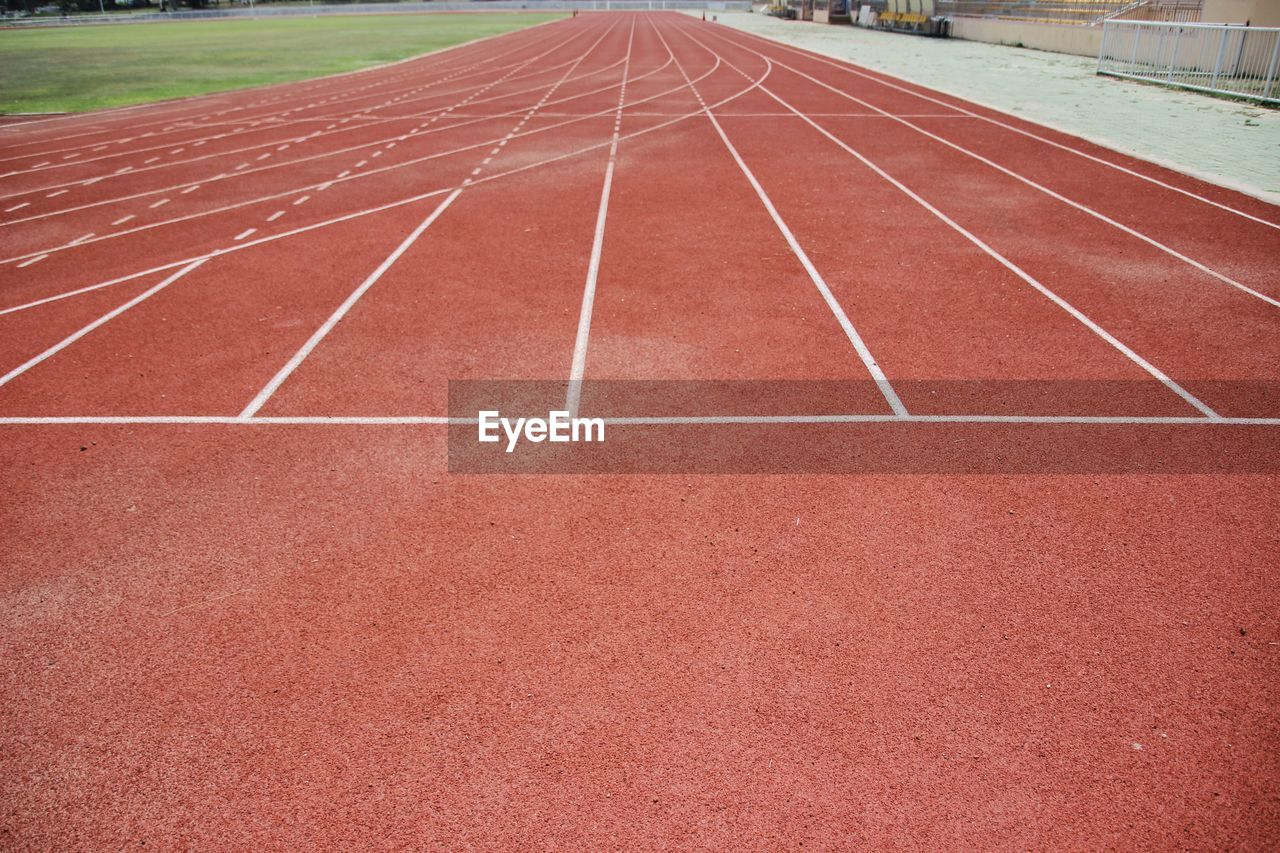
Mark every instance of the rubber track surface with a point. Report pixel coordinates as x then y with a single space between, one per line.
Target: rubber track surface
222 630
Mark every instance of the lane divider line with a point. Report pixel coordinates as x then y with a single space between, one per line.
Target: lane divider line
754 84
1040 187
1053 297
859 345
103 320
319 335
578 364
677 420
849 68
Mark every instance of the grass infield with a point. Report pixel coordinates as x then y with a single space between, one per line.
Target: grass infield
71 69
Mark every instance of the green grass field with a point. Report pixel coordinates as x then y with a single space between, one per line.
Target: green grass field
71 69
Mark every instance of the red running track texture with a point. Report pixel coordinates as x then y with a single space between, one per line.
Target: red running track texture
246 602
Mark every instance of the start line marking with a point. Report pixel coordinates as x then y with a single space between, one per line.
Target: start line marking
711 420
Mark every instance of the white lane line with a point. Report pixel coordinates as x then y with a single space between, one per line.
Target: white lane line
754 84
859 345
37 259
279 101
225 175
161 203
56 194
849 69
1051 193
301 200
273 217
1015 269
104 319
16 207
122 220
81 239
276 381
190 189
149 161
578 366
246 233
1045 420
1053 297
708 420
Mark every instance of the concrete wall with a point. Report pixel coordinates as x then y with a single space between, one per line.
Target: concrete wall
1062 38
1260 13
1086 41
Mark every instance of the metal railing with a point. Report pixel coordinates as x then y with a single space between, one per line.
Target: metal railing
1220 59
1185 11
1084 12
303 10
1048 11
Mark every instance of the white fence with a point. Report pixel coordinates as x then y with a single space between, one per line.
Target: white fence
293 10
1223 59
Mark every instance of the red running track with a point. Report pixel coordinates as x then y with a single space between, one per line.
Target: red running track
247 604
